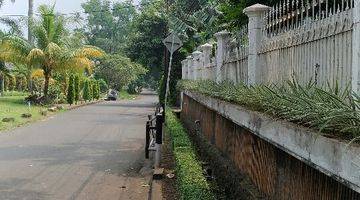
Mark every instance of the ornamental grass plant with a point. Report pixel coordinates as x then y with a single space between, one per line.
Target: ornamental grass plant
330 110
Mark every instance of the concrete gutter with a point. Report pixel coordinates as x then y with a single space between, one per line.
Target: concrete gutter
333 157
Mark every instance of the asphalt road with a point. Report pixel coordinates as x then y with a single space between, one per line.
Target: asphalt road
93 152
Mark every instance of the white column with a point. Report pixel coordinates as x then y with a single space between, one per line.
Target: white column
190 68
356 48
255 14
196 64
206 49
184 69
223 39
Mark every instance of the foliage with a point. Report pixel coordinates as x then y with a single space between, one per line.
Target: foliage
95 89
118 71
330 111
161 90
50 52
77 88
71 90
109 24
103 86
191 181
87 91
145 43
232 18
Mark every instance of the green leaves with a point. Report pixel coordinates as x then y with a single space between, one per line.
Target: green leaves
332 111
118 71
191 181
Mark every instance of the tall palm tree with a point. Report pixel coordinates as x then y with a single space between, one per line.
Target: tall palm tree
30 18
49 51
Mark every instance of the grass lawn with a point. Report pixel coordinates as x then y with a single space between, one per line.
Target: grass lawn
14 107
126 96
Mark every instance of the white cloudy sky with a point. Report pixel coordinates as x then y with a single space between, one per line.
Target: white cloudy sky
20 7
63 6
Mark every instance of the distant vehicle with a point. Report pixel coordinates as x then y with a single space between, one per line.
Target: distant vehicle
112 95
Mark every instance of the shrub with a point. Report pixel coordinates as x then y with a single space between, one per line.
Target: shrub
71 90
77 88
103 86
86 91
94 89
191 181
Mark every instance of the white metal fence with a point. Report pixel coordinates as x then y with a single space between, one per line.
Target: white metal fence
315 40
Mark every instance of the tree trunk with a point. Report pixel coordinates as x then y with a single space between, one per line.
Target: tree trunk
46 86
30 17
2 85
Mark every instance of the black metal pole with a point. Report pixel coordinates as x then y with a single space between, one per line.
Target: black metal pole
159 126
147 142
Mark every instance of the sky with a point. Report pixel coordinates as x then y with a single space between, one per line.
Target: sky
63 6
20 7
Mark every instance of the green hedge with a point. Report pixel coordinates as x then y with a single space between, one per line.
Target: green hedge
192 184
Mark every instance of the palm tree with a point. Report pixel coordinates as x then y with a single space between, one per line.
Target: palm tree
49 52
30 18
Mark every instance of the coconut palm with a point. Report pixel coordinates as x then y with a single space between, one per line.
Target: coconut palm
49 52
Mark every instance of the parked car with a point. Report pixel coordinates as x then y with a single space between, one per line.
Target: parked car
112 95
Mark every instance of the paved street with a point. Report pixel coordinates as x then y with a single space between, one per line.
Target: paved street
94 152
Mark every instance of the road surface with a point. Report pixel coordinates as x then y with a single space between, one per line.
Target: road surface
93 152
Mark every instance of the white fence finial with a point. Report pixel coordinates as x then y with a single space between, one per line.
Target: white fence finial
196 64
223 39
256 22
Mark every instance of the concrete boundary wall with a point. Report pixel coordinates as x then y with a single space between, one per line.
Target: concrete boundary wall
330 156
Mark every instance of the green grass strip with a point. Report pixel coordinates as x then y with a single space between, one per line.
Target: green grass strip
191 182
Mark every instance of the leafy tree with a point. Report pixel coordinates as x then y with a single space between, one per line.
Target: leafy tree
71 90
49 52
77 88
109 24
233 18
145 45
118 71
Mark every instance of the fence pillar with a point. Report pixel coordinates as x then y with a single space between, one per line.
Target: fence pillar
190 68
196 64
206 49
356 48
255 14
184 69
223 39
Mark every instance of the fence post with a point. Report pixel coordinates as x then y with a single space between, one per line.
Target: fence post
206 49
147 141
196 64
255 14
159 138
184 69
223 39
190 67
356 47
